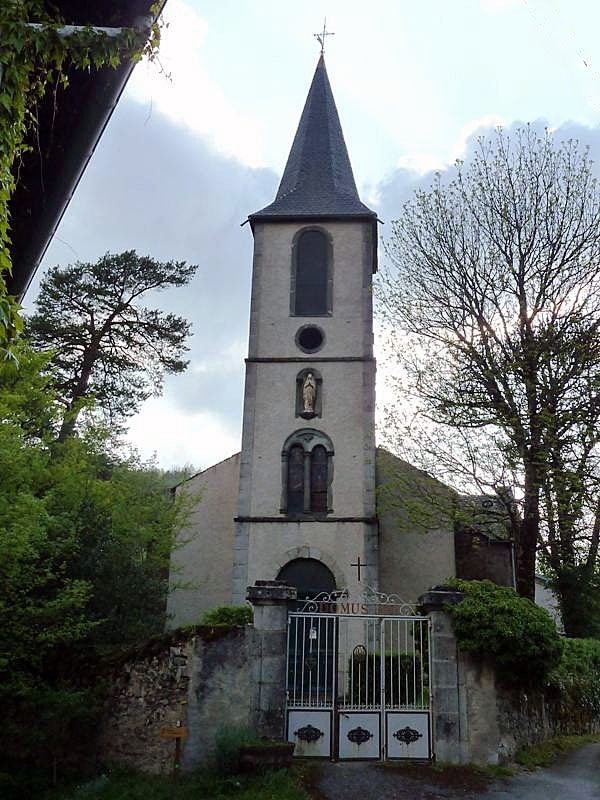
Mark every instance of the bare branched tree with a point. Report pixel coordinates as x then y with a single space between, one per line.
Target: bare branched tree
493 295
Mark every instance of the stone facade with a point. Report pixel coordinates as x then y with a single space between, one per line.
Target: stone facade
206 680
416 533
481 557
146 693
475 718
201 564
545 597
414 544
345 363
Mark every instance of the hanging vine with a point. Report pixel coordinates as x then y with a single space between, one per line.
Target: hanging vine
35 50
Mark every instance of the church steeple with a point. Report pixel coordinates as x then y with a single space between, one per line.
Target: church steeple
318 179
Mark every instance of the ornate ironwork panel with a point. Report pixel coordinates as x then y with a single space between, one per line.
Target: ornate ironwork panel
407 735
309 733
359 735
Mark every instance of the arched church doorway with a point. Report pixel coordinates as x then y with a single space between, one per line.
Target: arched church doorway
310 647
309 576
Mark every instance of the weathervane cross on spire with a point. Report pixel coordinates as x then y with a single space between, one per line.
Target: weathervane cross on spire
321 36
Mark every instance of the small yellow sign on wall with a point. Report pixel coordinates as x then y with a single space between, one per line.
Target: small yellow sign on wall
173 732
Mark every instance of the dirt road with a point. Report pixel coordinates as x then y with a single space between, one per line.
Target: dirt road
575 777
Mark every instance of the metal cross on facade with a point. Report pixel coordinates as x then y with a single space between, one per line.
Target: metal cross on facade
321 36
359 565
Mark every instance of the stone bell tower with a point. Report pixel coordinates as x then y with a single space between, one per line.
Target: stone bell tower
307 471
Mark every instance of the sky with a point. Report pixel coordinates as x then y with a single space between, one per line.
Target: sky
200 139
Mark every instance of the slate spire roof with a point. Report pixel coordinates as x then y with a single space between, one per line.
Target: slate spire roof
318 179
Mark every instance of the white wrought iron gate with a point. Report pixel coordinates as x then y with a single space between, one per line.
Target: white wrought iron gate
358 679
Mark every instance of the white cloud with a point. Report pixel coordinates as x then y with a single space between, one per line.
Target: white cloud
486 122
498 6
420 163
190 96
177 438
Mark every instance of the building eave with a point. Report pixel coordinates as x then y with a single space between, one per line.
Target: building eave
70 133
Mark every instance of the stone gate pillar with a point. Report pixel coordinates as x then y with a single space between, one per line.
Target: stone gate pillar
271 601
450 728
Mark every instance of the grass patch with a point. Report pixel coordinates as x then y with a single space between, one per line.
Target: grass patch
499 771
200 785
545 753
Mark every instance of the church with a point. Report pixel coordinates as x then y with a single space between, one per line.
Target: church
310 500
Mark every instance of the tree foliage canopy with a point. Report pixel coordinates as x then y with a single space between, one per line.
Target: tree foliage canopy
105 344
494 282
518 636
85 541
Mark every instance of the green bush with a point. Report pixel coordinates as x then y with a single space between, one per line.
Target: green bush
228 615
495 622
402 679
227 745
581 657
576 679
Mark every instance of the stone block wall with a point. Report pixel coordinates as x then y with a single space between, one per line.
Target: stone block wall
145 694
500 720
203 683
476 719
222 691
204 679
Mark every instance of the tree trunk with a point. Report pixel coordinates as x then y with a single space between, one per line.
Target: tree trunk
70 418
527 533
576 595
525 546
68 426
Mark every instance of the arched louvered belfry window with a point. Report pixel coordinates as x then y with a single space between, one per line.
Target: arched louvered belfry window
295 485
307 473
311 274
318 480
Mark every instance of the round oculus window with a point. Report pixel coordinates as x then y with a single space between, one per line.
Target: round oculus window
310 338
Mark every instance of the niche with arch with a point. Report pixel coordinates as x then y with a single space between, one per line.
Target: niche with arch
303 408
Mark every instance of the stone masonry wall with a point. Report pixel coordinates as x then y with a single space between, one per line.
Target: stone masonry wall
205 679
222 691
205 682
501 720
475 718
145 694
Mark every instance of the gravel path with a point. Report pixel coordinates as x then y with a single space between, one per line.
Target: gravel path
364 781
575 777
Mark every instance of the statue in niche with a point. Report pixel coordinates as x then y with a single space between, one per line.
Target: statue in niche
309 394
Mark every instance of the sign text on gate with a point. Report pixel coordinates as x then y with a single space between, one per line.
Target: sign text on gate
356 609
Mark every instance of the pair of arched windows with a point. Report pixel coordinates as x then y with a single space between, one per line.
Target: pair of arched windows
311 498
311 287
307 472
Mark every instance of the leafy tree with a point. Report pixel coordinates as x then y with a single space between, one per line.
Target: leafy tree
126 519
85 538
107 347
494 282
42 607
